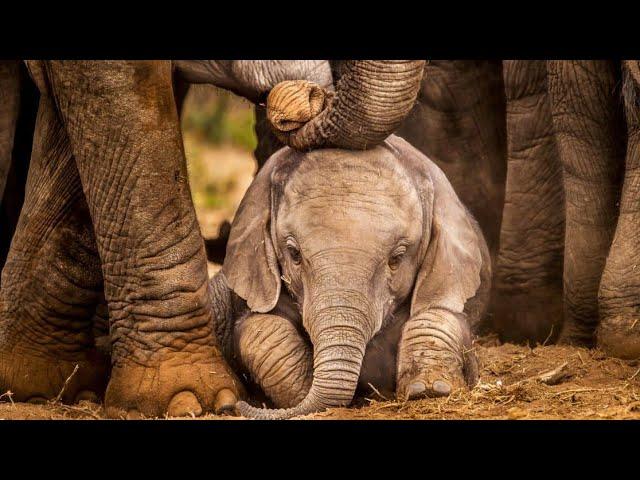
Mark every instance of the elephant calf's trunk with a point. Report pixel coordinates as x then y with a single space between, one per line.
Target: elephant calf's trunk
336 370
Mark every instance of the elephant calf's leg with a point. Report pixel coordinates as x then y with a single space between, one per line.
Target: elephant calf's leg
52 283
435 356
527 294
277 357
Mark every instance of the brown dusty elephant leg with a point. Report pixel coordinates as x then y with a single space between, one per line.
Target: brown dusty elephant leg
276 356
122 122
527 293
590 132
52 281
435 356
619 296
459 123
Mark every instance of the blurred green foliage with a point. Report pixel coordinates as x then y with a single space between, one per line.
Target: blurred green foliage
216 194
219 118
219 138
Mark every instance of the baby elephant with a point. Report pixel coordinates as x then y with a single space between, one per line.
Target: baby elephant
386 275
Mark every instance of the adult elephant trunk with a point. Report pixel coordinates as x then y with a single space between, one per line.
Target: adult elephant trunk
339 339
372 97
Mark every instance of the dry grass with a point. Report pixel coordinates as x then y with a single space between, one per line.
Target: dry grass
512 386
588 385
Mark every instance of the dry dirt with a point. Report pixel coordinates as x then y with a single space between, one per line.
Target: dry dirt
594 387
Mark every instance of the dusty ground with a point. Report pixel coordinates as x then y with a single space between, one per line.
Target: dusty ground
595 387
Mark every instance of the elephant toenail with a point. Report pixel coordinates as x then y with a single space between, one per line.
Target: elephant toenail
184 404
87 395
134 415
415 389
441 388
225 401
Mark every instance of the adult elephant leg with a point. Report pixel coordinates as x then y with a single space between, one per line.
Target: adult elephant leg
459 123
122 121
527 293
619 296
52 283
590 132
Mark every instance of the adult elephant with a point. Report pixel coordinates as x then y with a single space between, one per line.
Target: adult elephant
595 115
108 211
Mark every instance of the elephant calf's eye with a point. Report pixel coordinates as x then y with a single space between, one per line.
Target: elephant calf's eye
396 257
294 252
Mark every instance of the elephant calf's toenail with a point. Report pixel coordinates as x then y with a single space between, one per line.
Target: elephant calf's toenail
415 389
441 388
225 401
184 404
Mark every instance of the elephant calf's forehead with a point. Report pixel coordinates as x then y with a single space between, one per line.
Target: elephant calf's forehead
357 184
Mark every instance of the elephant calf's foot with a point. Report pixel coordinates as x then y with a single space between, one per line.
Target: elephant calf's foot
184 384
620 336
36 378
435 357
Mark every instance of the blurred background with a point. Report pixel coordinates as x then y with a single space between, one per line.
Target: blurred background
219 139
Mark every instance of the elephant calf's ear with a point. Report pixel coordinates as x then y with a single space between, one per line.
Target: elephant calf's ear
450 272
251 266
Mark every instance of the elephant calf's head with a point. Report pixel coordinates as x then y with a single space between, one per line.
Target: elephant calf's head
352 235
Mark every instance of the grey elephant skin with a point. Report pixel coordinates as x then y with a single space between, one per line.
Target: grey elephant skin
349 268
595 112
108 229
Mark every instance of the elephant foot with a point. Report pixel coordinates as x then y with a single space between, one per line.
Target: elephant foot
435 359
178 386
620 336
36 378
577 335
534 316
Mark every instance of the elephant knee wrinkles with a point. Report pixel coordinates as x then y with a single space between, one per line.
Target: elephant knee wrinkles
432 339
